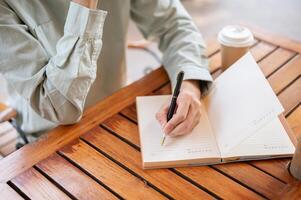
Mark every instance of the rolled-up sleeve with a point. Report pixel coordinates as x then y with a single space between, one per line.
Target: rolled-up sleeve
179 39
55 87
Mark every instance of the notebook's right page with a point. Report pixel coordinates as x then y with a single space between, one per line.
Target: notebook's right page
239 103
269 141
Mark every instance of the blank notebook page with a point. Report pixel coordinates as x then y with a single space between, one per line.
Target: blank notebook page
239 102
200 143
269 140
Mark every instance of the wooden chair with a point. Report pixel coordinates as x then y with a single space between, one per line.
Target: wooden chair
7 114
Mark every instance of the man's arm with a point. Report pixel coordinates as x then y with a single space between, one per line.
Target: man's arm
183 50
54 87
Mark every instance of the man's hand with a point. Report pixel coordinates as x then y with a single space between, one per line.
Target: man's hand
87 3
188 111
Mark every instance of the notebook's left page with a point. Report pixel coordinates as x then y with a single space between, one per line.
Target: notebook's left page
198 146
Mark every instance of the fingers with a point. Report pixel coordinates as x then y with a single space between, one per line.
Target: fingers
187 115
192 119
161 116
183 103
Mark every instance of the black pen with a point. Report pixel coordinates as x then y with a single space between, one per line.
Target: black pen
173 103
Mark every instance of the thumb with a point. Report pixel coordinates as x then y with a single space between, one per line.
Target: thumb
161 115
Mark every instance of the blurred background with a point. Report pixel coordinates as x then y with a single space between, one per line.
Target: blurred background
282 17
278 17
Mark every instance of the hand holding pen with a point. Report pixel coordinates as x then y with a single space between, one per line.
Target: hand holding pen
187 109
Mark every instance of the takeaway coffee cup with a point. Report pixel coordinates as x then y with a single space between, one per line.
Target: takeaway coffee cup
295 164
235 41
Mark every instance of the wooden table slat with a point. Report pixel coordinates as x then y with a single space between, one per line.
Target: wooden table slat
275 39
252 177
285 75
8 147
164 179
35 186
277 168
72 178
290 192
8 193
275 60
262 49
224 187
109 173
294 120
129 131
291 96
8 137
212 47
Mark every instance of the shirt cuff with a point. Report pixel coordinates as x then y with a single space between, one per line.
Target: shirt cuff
84 21
194 73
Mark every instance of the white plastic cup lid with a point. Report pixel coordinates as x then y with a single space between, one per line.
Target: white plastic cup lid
235 36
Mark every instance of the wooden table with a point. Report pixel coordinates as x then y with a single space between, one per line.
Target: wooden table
99 158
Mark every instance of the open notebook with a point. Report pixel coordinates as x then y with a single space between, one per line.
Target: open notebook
239 122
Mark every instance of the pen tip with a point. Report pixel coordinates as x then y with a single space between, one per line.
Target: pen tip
162 141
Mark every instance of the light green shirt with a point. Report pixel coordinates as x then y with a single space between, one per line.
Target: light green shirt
50 53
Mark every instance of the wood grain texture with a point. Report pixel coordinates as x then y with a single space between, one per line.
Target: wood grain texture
291 96
77 183
212 46
285 75
291 192
164 179
277 168
8 193
62 135
129 131
8 148
262 49
253 178
215 62
294 120
275 60
109 173
275 39
8 136
216 182
35 186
